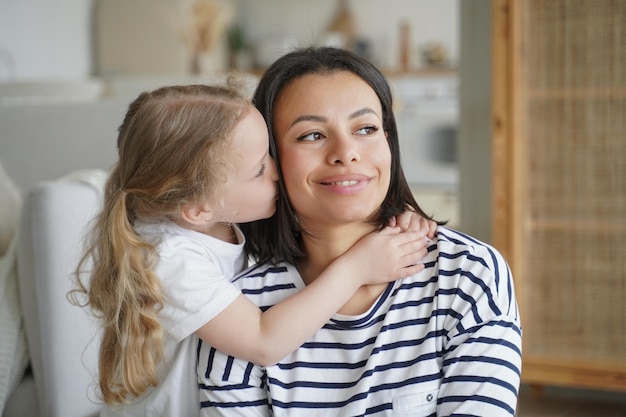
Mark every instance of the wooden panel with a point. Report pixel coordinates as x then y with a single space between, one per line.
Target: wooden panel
577 170
501 128
578 311
580 375
562 219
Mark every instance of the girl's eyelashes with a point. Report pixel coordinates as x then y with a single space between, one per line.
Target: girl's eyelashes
261 171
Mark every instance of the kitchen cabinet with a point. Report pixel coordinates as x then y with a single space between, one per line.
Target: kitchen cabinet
559 183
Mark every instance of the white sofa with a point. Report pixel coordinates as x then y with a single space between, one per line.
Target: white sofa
40 143
62 338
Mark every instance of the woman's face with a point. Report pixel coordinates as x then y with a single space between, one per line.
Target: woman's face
333 151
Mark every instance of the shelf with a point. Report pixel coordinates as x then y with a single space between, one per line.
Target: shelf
571 374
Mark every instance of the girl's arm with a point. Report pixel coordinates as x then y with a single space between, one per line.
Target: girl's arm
242 330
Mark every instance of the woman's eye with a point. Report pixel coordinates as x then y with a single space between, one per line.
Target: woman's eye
367 130
310 137
261 171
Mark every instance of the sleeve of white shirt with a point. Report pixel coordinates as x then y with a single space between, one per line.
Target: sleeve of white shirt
195 288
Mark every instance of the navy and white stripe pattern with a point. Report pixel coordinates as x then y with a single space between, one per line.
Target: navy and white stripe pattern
445 342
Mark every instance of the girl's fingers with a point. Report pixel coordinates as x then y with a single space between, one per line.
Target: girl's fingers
392 222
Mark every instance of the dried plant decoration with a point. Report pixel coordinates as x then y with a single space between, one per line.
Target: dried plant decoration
206 25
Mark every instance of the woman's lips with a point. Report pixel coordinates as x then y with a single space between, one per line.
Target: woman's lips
346 185
341 183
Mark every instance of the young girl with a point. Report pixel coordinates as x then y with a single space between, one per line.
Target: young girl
194 162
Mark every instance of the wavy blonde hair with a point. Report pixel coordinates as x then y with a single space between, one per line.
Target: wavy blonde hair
174 149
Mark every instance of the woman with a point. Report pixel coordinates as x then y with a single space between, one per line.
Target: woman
445 341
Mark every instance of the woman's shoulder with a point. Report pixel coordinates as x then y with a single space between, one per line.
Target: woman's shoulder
268 283
475 267
453 243
265 272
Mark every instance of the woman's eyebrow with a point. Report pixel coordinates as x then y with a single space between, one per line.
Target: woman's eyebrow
364 110
314 118
308 118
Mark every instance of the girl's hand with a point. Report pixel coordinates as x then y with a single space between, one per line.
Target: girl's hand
411 221
387 255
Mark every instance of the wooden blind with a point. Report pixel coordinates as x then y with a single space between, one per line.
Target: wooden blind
574 194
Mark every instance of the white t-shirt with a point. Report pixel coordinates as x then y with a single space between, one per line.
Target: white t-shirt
195 271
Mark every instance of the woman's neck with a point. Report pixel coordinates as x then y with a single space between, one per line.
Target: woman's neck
323 247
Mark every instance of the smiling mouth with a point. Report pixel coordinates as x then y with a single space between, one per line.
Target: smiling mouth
342 183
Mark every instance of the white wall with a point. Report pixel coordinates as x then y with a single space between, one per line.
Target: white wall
45 39
46 140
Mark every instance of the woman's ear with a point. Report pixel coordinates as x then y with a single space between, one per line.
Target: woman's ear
197 214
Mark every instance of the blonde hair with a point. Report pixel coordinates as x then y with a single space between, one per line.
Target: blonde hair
174 146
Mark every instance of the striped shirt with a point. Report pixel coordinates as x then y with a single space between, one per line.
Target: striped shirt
444 342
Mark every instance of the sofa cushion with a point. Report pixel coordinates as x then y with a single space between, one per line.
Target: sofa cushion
13 352
62 338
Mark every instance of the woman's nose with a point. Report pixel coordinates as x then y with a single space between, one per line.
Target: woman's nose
343 150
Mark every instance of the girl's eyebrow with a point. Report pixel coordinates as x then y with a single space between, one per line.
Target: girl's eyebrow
262 160
314 118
